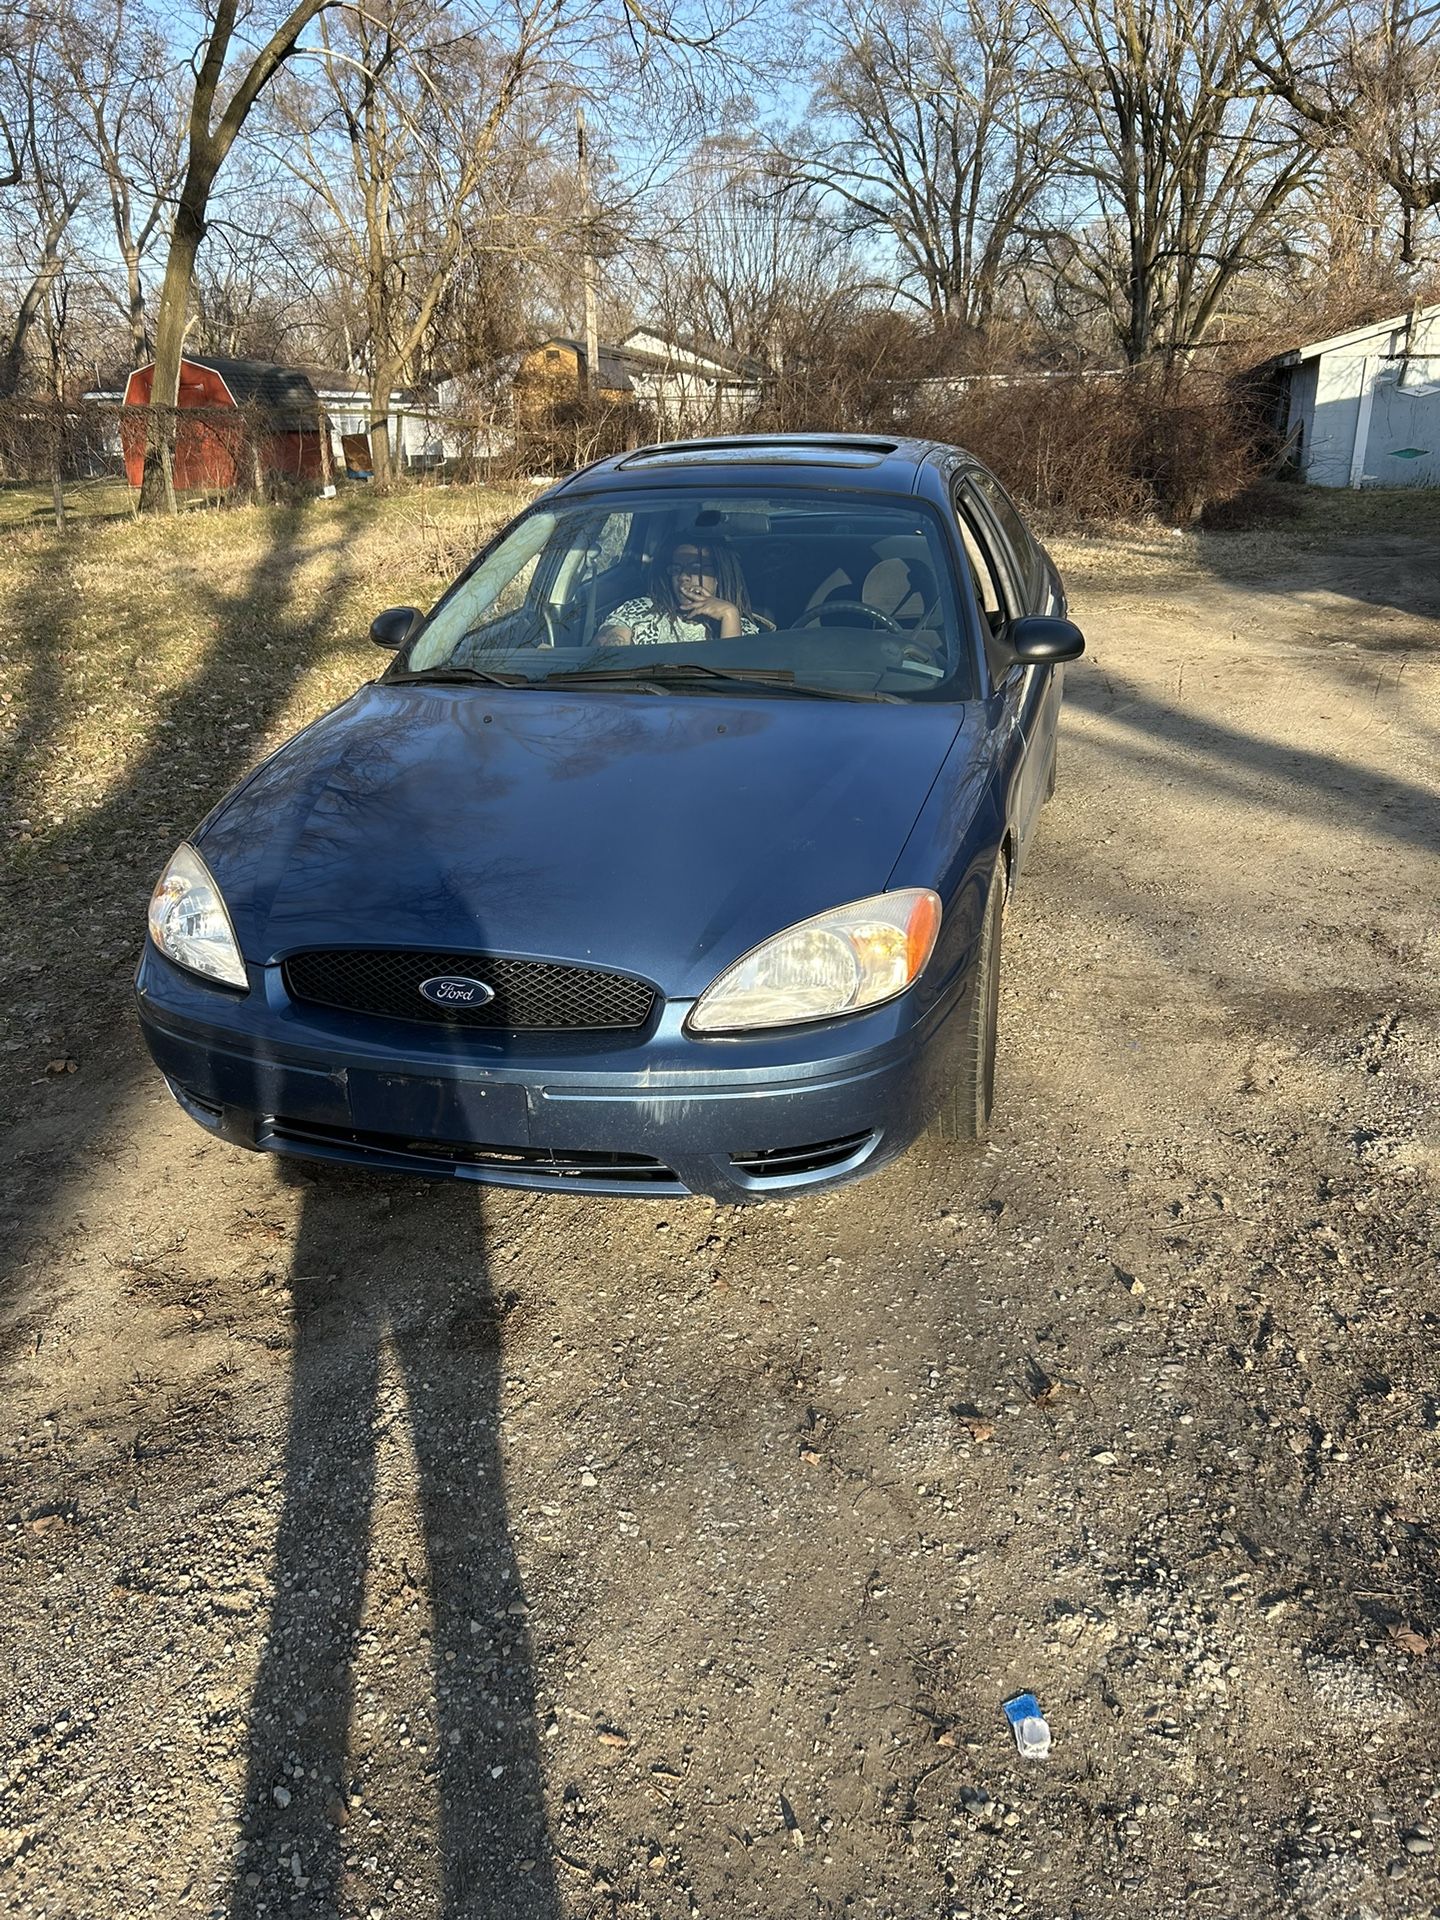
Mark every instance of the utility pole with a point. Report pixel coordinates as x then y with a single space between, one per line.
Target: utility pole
592 329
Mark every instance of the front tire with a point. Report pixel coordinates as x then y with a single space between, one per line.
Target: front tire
970 1099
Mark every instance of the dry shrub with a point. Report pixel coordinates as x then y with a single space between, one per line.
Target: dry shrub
40 438
864 375
1077 447
571 432
1114 447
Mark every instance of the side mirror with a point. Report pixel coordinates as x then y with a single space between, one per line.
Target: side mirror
1041 641
394 627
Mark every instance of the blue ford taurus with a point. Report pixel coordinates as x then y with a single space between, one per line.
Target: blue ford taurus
669 854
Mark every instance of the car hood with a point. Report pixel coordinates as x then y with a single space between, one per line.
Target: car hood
662 835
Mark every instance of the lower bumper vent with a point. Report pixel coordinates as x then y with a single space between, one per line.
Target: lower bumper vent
779 1162
558 1164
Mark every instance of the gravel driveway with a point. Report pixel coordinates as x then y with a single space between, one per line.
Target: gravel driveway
383 1548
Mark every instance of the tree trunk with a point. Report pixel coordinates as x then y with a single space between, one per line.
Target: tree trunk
157 487
382 454
208 146
135 308
13 358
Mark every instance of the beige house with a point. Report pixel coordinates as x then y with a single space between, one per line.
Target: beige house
684 386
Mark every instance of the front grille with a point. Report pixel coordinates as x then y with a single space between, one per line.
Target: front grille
530 995
560 1164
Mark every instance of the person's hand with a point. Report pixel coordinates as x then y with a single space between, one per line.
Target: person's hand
705 606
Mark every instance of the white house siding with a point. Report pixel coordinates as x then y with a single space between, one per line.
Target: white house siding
1330 441
1402 448
1369 405
414 436
681 401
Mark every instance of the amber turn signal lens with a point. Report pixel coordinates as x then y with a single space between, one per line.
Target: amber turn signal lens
922 929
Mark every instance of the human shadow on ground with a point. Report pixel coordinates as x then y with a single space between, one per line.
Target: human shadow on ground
396 1344
90 873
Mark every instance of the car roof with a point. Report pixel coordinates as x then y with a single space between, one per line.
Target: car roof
865 462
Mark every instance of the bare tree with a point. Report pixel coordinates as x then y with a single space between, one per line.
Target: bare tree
409 143
49 189
937 135
116 63
213 125
432 124
253 293
738 255
1187 156
14 36
1364 77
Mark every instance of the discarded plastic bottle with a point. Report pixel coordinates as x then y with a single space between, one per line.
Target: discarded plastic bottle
1032 1730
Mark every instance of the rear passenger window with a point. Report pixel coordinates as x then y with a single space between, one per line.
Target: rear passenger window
1013 527
995 594
987 586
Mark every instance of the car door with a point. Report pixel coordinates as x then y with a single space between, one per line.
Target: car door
1018 693
1043 594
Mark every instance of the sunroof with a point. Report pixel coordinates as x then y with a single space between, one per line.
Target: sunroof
766 453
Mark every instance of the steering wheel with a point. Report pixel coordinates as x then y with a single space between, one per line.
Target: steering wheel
813 616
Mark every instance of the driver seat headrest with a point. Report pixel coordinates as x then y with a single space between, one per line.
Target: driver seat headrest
904 589
896 584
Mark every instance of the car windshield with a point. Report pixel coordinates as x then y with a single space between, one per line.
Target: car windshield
828 593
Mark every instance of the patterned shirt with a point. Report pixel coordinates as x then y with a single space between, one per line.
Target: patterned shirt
649 627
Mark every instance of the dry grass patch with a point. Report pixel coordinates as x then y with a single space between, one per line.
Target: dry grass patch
145 666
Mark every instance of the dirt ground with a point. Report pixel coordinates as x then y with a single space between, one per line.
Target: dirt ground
382 1548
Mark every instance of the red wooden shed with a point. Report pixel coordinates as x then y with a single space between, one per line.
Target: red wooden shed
281 414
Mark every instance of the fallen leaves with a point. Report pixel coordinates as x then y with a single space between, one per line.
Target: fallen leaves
976 1425
1411 1642
50 1520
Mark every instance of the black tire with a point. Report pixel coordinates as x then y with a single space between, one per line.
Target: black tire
964 1114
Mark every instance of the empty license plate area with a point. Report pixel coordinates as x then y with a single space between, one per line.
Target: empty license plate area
422 1109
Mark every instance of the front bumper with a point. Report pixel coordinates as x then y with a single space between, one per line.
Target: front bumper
659 1113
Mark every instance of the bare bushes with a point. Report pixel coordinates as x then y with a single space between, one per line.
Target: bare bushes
41 439
570 431
1076 446
865 375
1115 447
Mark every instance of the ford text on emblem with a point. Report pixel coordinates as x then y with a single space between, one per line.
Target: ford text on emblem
455 990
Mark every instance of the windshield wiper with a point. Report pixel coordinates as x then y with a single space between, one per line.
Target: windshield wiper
762 679
458 676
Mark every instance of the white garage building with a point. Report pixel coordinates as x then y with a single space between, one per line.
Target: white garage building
1366 404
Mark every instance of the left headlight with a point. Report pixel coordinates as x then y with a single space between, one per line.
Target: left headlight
189 924
839 962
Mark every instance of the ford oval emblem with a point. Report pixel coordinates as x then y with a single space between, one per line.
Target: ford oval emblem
456 990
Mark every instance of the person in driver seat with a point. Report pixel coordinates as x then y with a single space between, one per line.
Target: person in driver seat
697 592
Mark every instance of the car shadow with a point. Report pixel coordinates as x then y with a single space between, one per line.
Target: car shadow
1340 573
1228 761
396 1378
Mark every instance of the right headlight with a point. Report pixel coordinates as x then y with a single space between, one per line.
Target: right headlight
838 962
189 924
